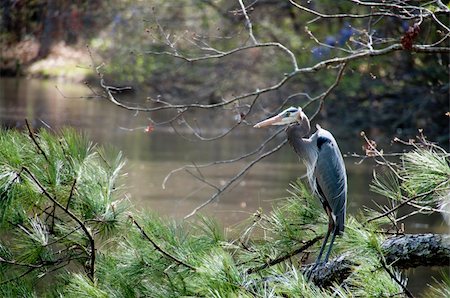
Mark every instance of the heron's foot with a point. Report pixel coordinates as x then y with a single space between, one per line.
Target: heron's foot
313 267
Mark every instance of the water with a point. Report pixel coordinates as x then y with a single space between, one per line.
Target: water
151 156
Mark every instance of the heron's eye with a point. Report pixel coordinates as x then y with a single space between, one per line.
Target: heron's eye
288 114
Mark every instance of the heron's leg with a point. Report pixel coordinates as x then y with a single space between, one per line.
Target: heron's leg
322 248
331 244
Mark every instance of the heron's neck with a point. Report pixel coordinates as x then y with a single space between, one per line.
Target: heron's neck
297 135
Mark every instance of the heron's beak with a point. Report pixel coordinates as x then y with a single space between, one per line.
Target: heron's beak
275 120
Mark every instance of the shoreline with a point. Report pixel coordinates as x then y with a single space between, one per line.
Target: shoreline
64 62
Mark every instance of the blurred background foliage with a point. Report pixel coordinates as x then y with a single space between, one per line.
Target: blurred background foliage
394 94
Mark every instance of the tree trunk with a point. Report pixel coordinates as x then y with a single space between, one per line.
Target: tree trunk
406 251
49 22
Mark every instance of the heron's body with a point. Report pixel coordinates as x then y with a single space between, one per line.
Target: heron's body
325 169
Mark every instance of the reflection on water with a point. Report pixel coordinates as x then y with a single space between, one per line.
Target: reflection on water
152 156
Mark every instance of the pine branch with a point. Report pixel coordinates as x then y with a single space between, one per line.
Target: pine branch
71 215
31 134
158 248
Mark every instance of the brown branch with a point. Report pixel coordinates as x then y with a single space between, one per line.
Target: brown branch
221 54
163 252
201 178
2 260
392 275
289 255
223 134
322 96
71 215
72 190
31 134
30 269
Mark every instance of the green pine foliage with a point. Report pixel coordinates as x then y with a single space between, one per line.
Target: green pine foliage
441 289
60 194
424 171
422 176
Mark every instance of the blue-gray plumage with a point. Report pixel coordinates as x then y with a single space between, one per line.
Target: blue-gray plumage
324 166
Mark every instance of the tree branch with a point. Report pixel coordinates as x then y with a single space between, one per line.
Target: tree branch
349 15
31 134
163 252
318 66
248 23
236 177
217 162
413 250
289 255
405 251
71 215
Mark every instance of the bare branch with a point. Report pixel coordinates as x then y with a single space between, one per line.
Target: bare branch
322 96
320 65
248 23
352 16
241 157
221 54
72 190
228 131
235 178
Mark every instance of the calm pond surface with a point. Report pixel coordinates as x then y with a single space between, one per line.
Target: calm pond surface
152 156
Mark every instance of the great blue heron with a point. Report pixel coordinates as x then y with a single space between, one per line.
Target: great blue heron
324 166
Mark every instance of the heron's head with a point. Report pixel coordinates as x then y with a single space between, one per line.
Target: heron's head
288 116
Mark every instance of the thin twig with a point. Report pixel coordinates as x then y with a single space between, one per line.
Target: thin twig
31 269
166 254
248 23
31 134
2 260
353 16
223 134
260 147
236 177
72 189
71 215
392 275
203 179
282 258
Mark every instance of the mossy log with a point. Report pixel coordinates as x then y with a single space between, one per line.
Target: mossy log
402 252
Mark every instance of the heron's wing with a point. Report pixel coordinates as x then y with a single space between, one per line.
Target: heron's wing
331 177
